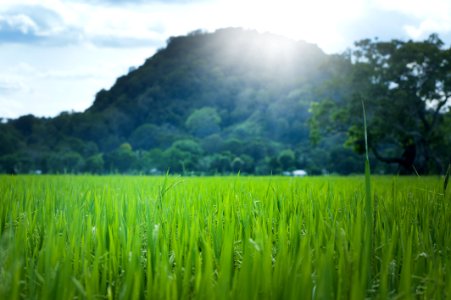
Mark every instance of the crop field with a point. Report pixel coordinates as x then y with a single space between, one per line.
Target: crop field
131 237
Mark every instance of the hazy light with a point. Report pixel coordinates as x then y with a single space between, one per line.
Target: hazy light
314 21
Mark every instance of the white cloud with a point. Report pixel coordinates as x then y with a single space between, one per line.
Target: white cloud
10 108
150 23
52 23
427 27
437 9
10 85
56 54
432 16
22 22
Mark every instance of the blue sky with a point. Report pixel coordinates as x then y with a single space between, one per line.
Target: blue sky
56 54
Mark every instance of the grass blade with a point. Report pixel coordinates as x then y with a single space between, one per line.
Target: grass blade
445 182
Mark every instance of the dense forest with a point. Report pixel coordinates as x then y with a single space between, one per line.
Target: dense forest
240 101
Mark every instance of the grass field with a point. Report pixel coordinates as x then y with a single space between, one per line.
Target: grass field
81 237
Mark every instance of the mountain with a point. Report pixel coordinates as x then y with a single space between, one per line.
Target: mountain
233 100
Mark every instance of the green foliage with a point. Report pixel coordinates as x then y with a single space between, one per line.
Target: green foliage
9 140
74 237
234 146
122 159
182 156
212 144
154 160
345 160
203 122
143 137
11 163
240 96
94 164
406 88
220 163
287 159
65 162
445 181
150 136
237 164
189 146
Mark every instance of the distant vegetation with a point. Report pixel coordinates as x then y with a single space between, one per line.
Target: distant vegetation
239 101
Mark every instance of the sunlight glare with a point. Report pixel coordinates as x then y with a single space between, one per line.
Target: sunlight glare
317 21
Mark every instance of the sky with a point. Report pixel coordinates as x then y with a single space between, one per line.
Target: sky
55 55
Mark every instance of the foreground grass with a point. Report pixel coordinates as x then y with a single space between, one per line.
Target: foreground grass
77 237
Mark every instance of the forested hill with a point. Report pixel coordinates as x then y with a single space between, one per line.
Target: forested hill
243 77
233 100
221 102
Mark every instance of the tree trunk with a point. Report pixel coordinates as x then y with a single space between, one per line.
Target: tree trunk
405 161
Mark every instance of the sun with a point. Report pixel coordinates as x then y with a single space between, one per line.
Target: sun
313 21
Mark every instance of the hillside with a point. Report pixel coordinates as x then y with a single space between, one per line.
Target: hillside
233 100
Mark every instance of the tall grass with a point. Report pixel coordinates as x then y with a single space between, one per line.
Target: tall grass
366 264
67 237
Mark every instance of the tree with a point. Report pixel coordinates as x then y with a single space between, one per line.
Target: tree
65 162
9 140
148 136
11 163
144 137
243 164
406 87
25 124
183 156
287 159
237 164
203 122
94 164
152 161
121 159
212 143
220 163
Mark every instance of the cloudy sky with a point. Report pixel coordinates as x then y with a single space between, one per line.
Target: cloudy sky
56 54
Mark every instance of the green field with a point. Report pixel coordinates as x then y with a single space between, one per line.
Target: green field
81 237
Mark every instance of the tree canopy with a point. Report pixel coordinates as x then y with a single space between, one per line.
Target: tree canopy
406 88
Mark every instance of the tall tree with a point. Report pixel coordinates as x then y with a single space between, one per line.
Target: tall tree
406 87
